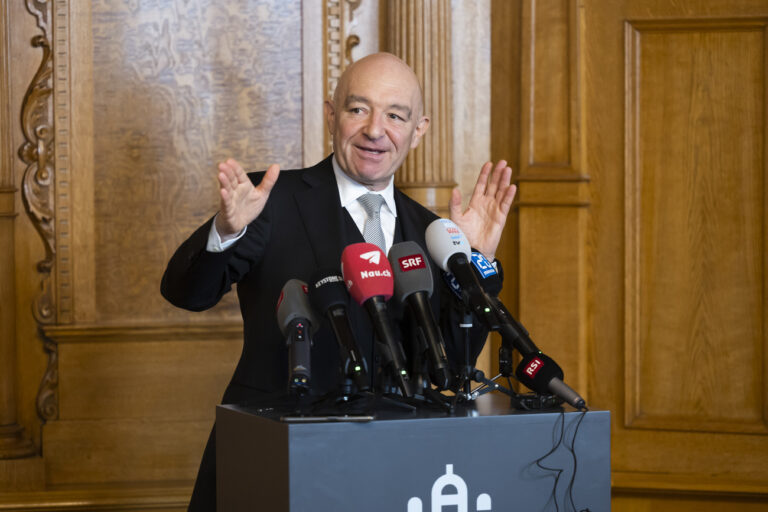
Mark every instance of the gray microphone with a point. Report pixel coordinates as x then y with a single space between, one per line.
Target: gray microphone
413 284
298 323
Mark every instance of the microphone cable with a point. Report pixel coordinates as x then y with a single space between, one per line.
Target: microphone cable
571 450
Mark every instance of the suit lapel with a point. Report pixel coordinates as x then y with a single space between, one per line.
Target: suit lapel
322 214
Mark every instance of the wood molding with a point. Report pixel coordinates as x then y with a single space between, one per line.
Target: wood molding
655 483
121 333
168 496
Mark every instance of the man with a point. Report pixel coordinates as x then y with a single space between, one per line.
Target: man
276 226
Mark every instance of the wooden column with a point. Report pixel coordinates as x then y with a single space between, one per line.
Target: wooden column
419 32
13 441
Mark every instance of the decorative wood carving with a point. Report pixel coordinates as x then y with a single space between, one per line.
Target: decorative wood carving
37 123
37 182
338 55
47 393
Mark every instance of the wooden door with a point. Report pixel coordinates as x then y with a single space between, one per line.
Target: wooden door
674 107
638 250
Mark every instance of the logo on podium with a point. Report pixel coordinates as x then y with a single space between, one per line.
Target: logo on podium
450 490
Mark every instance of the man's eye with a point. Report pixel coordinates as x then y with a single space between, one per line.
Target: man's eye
356 110
395 117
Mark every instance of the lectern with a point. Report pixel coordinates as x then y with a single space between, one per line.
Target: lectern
485 457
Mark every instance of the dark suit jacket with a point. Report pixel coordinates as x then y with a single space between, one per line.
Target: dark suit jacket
302 228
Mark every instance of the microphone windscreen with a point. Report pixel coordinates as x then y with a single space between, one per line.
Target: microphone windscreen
327 290
444 239
294 303
536 370
410 270
366 272
488 276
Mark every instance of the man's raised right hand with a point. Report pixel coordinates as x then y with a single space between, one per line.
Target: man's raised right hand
241 201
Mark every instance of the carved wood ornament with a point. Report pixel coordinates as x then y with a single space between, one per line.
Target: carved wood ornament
38 192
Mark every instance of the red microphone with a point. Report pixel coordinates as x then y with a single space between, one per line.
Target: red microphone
368 276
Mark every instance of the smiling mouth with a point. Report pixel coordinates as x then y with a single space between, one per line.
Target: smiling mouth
371 151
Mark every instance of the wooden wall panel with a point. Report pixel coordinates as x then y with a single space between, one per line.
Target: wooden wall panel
553 196
134 452
696 235
675 143
641 245
146 373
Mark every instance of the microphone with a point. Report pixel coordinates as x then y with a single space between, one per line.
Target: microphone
297 322
413 283
451 251
368 276
543 375
514 334
328 295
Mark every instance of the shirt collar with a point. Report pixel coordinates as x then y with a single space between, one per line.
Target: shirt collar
350 190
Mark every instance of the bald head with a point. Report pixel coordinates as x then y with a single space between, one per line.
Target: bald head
375 118
385 67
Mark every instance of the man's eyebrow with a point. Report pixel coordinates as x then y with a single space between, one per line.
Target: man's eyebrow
353 98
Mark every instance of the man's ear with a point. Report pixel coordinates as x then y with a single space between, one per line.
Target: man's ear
421 129
330 116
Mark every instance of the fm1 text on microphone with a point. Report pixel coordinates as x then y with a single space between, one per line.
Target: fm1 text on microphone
298 323
328 295
368 277
414 286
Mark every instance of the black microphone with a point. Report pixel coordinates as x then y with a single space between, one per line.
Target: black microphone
413 284
543 375
368 276
297 322
513 334
328 294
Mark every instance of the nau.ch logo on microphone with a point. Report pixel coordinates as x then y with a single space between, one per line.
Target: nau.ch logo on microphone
450 491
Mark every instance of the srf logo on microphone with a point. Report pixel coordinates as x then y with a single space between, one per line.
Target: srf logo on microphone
412 262
533 367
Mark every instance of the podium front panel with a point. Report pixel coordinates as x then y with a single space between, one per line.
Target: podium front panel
488 459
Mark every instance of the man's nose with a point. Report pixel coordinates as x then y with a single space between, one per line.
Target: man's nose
374 128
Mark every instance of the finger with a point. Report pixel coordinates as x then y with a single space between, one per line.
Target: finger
493 181
454 204
229 171
239 172
225 177
506 202
504 181
269 179
482 180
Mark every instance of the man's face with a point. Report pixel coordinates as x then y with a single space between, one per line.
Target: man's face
375 119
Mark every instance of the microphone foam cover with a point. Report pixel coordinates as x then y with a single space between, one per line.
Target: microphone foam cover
488 276
410 269
536 370
444 239
327 290
294 303
366 272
